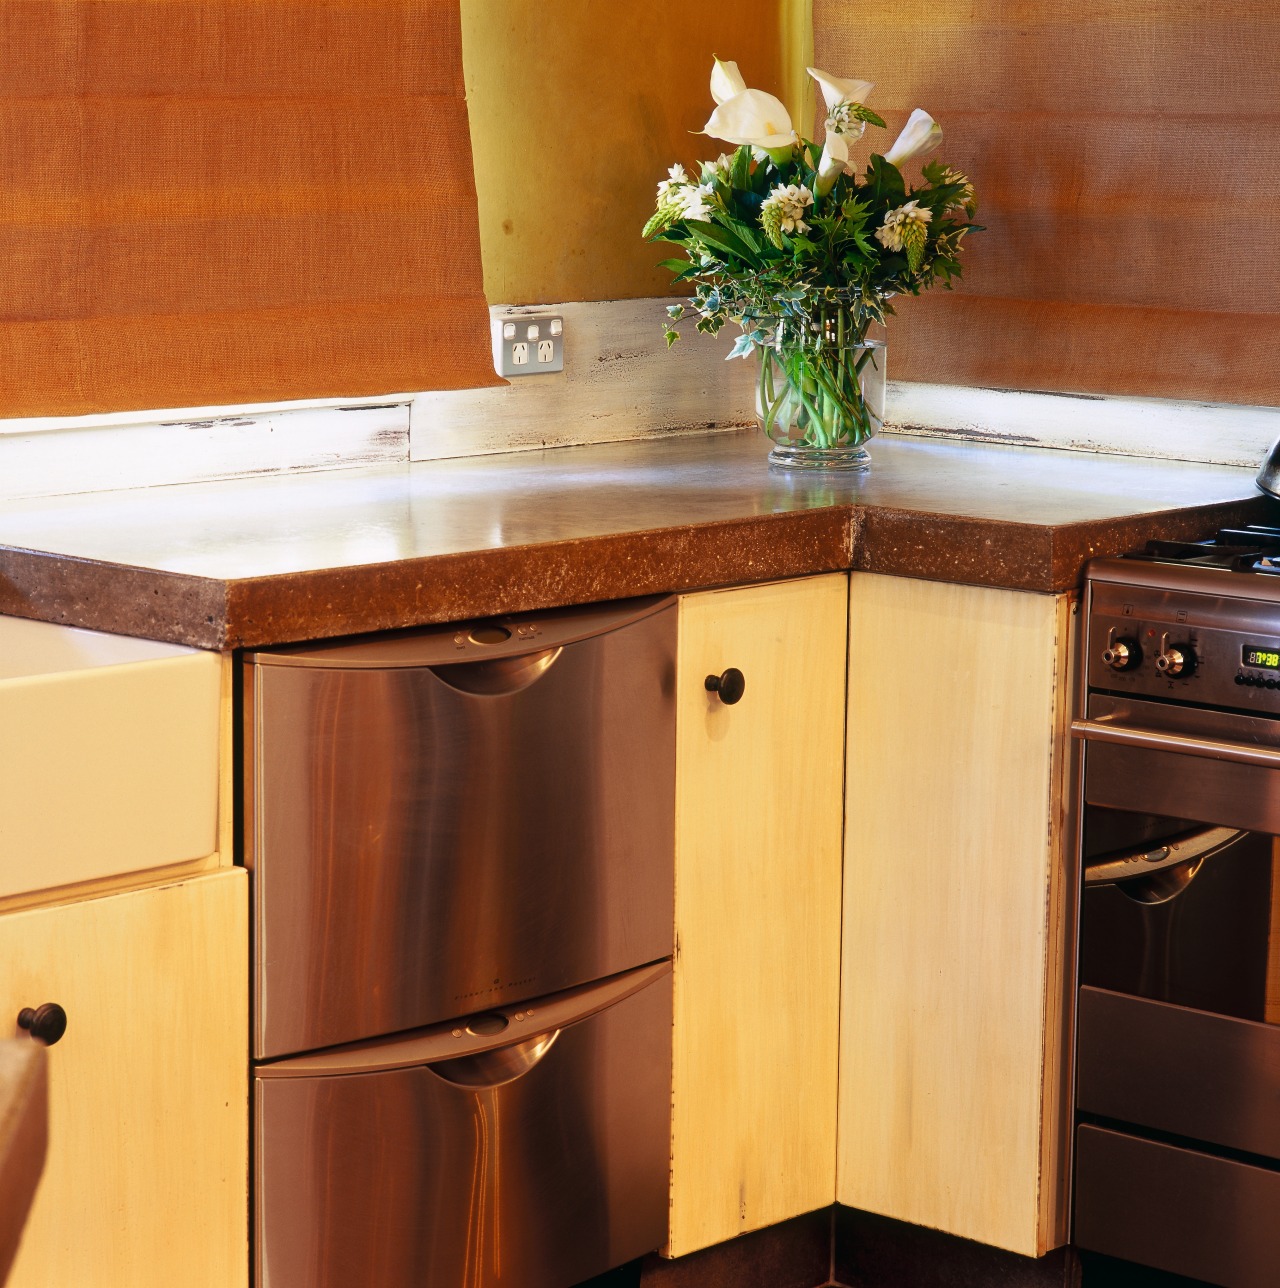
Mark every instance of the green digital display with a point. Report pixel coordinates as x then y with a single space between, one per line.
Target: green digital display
1265 658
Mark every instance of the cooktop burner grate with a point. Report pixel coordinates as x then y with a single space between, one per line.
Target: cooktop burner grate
1255 549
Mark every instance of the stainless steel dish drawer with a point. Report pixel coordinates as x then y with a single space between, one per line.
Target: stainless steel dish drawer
443 820
526 1146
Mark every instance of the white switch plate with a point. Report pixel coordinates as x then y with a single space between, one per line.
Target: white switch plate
529 345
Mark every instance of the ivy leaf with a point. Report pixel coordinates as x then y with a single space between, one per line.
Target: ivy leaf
742 347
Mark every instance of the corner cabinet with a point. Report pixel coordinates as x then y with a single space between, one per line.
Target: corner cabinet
957 881
758 831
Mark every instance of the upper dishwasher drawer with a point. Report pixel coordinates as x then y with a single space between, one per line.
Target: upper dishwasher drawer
109 754
450 819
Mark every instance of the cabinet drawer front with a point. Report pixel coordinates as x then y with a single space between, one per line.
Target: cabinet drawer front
109 760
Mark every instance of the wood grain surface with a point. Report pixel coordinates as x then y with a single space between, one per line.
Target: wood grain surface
953 900
757 909
24 1135
146 1180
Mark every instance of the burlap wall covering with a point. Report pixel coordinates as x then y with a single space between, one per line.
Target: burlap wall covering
1127 159
213 201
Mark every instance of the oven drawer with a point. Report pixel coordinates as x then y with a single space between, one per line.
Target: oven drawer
1182 761
535 1164
1191 1073
1176 1209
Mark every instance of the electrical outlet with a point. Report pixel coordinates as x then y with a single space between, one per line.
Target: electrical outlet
531 344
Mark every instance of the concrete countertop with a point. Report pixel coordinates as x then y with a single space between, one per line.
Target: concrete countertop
307 556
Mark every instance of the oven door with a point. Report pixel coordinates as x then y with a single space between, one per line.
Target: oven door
1178 1020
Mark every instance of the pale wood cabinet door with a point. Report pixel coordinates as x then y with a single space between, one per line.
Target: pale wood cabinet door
957 881
145 1184
758 821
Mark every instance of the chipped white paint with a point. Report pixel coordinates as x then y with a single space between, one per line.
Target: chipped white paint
619 382
85 455
1214 433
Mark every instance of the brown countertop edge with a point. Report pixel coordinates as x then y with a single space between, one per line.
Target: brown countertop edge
209 612
1024 556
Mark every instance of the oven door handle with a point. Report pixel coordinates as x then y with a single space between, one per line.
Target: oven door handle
1210 748
1189 848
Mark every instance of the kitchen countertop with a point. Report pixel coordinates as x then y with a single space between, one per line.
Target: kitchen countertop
304 556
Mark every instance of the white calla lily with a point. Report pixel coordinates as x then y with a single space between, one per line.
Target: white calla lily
836 91
753 117
835 156
726 81
921 135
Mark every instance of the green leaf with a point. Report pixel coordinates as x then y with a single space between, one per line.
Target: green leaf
885 181
720 238
740 171
674 265
671 335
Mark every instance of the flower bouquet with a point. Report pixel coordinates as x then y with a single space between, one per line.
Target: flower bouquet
782 238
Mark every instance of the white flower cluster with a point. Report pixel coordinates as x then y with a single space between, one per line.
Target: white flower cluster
790 203
967 195
681 198
841 120
678 178
898 228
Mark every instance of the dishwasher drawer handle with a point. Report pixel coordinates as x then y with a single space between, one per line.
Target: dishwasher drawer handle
47 1022
728 686
495 1068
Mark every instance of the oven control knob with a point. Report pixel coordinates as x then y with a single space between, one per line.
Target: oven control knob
1176 661
1122 654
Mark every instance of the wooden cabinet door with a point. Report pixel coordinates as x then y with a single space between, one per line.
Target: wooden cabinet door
758 823
957 881
145 1184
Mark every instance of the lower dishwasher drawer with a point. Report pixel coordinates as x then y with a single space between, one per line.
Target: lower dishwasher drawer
536 1162
1177 1209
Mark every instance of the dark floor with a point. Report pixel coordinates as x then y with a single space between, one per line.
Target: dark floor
841 1248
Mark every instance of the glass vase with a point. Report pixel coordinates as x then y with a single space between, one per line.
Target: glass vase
820 395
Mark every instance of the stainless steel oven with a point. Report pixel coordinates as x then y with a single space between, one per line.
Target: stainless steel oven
462 850
1177 1158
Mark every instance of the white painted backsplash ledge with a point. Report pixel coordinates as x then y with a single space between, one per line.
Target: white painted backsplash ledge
619 382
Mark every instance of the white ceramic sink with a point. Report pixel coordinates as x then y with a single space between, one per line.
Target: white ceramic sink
108 754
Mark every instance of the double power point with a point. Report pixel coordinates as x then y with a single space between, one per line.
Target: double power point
529 345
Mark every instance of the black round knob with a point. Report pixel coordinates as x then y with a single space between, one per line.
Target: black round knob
47 1022
1123 655
729 685
1177 659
